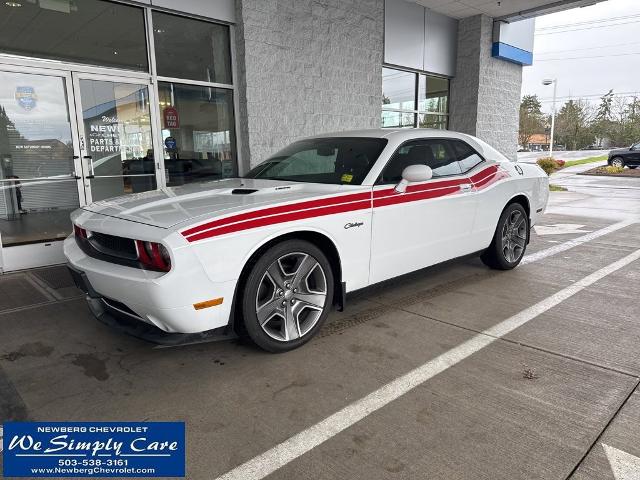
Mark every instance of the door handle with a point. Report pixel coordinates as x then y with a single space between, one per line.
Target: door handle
89 166
466 187
75 175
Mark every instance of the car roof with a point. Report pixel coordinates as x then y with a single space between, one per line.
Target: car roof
400 134
397 136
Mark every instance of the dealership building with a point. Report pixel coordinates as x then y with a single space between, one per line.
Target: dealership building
102 98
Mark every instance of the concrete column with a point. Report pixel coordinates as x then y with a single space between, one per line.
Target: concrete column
306 67
485 93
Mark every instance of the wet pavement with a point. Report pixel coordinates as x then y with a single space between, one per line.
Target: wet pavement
526 374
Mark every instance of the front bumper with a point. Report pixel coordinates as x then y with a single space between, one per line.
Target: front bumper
165 301
118 316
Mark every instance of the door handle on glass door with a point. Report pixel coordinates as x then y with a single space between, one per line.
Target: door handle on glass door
466 187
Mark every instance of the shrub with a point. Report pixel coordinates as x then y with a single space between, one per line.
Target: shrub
560 163
612 169
548 164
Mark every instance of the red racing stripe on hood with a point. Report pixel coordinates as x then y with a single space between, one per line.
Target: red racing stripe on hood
278 209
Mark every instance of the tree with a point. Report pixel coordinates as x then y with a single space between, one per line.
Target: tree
574 124
531 119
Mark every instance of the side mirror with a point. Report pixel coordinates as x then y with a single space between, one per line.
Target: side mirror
412 174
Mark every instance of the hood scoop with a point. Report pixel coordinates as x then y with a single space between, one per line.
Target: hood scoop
243 191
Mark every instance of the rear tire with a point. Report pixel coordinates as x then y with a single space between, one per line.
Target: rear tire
617 162
633 167
287 296
509 240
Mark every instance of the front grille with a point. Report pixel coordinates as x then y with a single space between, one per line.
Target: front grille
114 246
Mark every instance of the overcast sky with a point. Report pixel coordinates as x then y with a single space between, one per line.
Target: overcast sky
589 50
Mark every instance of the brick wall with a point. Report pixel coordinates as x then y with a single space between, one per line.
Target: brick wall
485 94
306 67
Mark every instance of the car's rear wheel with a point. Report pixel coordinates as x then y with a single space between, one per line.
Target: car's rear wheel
633 167
617 162
509 240
287 295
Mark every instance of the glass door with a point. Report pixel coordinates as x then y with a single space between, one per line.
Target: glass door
39 159
115 136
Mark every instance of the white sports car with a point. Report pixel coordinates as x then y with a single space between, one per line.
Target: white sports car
267 255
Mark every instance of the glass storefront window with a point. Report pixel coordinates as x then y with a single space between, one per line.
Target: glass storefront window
37 188
398 89
429 120
117 128
198 133
192 49
398 119
433 94
88 31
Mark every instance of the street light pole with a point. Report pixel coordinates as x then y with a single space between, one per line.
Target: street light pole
553 111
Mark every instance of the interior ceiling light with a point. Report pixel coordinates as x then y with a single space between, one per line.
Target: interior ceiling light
13 4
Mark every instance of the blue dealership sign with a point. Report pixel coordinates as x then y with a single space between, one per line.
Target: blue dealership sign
94 449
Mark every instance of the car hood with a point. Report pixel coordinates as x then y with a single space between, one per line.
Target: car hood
170 207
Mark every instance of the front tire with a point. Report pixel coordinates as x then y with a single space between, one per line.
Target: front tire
287 296
509 240
617 162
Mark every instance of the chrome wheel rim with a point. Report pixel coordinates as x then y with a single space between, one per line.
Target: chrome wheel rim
514 236
291 296
616 162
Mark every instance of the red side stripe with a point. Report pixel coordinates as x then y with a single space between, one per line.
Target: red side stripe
281 218
487 172
413 197
339 204
278 210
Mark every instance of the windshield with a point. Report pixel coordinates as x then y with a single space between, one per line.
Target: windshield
337 160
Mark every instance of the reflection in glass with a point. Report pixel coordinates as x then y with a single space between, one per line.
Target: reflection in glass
433 94
428 120
398 89
198 133
118 138
193 49
87 31
398 119
37 191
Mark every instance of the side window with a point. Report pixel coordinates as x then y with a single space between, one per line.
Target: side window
443 160
467 156
436 154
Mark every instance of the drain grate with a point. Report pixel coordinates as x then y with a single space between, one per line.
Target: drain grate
57 277
16 292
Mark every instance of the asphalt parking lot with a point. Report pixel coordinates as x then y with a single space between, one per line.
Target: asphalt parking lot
454 372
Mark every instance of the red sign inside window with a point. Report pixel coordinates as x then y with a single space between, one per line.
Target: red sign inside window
171 119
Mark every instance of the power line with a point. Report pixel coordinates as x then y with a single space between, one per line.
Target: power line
587 57
587 48
589 22
586 28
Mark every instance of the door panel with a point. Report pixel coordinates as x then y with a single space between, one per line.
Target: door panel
38 161
429 223
116 137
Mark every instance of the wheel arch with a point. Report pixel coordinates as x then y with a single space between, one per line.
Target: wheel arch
523 200
317 238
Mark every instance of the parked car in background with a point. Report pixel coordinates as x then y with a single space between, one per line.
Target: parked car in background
625 157
269 254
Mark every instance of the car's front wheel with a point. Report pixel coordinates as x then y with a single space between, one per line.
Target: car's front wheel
617 162
287 295
509 240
